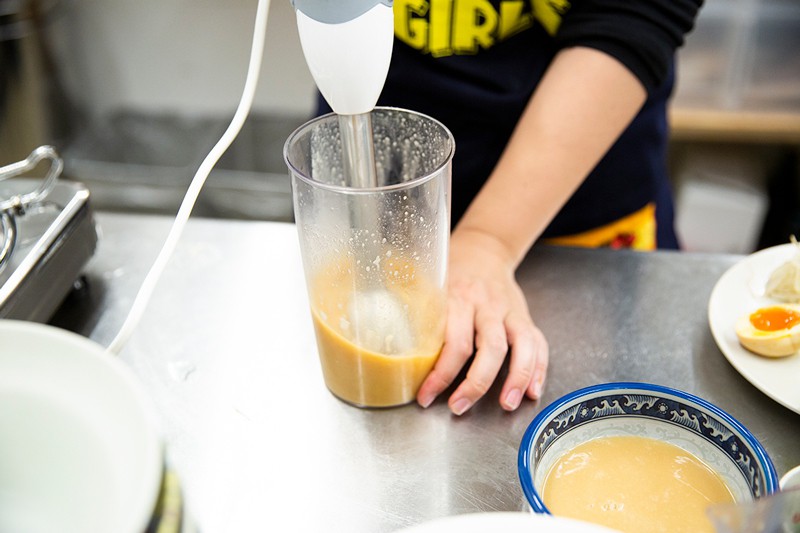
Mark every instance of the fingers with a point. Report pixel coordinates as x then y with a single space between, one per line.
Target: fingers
527 367
491 316
540 367
492 345
457 350
523 362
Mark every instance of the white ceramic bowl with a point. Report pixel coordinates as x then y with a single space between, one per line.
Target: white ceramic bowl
505 522
646 410
79 450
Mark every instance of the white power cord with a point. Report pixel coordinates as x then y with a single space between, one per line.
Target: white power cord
196 185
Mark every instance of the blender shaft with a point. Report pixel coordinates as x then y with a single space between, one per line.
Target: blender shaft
358 150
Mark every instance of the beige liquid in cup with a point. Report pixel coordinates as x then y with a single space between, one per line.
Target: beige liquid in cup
377 345
634 484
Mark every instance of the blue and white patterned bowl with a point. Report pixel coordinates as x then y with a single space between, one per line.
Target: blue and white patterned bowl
646 410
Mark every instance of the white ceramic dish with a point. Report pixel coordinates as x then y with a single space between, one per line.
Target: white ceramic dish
740 290
79 451
791 479
505 523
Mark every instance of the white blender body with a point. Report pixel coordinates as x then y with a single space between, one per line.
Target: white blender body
348 46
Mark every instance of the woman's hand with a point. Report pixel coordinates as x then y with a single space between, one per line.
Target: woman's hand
488 314
584 102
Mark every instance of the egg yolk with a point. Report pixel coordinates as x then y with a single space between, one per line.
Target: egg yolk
774 319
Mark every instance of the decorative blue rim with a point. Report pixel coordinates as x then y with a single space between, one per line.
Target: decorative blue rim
524 466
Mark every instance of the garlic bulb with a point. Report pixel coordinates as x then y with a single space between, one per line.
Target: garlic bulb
784 282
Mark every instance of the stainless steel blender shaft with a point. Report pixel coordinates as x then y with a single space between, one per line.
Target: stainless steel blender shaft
358 151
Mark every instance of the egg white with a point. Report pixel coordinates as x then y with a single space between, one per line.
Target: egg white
778 343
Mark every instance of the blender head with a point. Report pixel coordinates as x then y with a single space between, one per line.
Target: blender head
348 46
336 11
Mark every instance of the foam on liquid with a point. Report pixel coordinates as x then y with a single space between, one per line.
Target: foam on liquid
634 484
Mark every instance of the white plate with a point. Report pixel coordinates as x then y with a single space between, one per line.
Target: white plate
505 523
791 479
739 291
79 451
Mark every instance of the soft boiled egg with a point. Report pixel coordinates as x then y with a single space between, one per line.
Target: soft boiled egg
772 331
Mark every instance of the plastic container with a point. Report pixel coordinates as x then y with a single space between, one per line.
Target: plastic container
375 257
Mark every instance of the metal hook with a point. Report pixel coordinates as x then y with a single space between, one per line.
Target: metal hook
19 201
8 236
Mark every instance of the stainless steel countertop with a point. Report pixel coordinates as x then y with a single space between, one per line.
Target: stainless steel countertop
226 350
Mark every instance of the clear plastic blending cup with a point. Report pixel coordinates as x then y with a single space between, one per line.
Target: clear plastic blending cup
375 257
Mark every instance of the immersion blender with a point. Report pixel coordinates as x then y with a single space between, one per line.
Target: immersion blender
348 46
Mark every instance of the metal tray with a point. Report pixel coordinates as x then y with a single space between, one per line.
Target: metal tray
48 237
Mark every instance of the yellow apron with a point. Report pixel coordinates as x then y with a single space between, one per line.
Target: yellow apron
636 231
